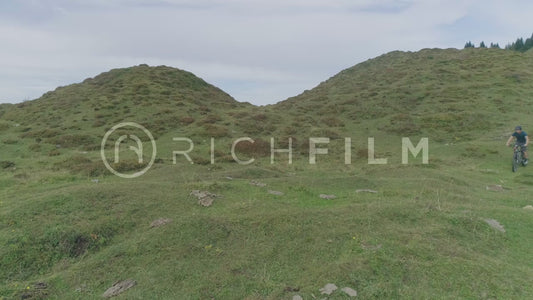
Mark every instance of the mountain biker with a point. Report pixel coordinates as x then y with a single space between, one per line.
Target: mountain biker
521 140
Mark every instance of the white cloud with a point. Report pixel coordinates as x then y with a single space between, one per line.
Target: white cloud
257 50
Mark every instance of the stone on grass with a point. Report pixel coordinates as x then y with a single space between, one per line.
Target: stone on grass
160 222
40 285
328 289
205 198
349 291
39 291
528 207
495 188
495 224
371 247
119 287
277 193
291 289
365 191
297 297
82 289
324 196
257 183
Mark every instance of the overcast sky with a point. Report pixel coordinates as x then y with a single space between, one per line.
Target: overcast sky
257 51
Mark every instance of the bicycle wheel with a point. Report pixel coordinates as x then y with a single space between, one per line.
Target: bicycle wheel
516 161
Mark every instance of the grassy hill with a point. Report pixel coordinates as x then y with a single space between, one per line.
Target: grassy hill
162 98
67 222
449 94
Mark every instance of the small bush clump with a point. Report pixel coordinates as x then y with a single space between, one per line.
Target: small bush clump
73 140
128 165
216 131
186 120
82 165
259 148
35 147
44 133
54 152
10 141
6 164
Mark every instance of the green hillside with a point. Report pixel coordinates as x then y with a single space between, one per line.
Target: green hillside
449 94
162 98
69 229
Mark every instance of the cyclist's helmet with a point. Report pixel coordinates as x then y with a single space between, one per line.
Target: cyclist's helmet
518 127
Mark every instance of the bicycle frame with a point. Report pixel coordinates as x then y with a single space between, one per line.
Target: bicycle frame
517 156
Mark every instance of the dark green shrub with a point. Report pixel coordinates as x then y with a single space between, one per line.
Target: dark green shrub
73 140
10 141
83 165
333 122
54 152
44 133
128 165
6 164
35 147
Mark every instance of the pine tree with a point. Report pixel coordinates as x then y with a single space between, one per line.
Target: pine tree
528 43
469 45
518 45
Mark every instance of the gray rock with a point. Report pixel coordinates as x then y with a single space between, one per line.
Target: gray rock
205 198
297 297
40 285
528 207
349 291
257 183
277 193
328 289
324 196
495 224
494 188
160 222
365 191
371 247
119 287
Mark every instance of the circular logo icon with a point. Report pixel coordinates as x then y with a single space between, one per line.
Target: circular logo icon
138 150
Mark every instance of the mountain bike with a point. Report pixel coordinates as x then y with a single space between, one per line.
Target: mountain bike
517 157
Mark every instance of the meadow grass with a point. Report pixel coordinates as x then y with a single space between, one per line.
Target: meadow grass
422 235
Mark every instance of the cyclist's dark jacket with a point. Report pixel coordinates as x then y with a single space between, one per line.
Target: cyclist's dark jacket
520 137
